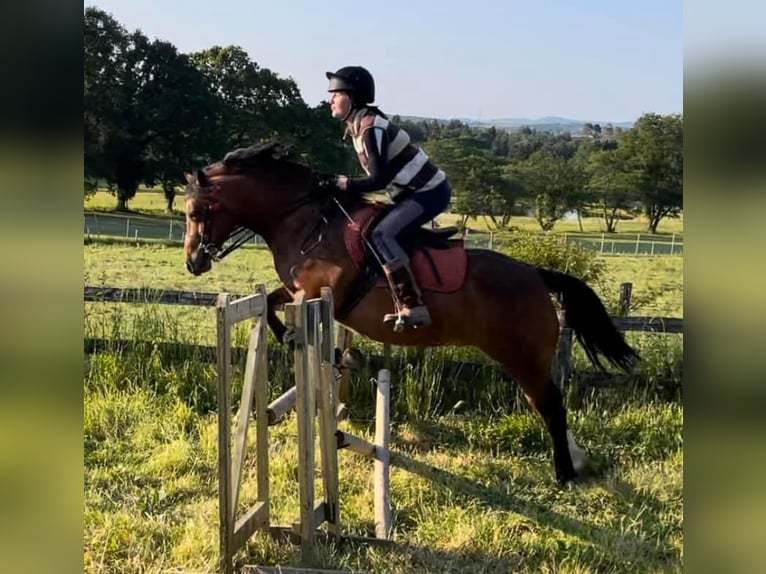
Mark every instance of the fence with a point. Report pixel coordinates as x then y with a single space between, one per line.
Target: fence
604 243
137 227
563 369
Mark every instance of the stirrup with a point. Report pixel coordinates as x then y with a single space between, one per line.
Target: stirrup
401 320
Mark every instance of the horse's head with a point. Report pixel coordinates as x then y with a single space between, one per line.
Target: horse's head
251 191
208 223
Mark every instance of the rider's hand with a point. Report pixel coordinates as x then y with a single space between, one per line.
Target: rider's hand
326 186
342 182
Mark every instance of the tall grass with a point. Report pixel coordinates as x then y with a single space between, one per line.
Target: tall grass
478 493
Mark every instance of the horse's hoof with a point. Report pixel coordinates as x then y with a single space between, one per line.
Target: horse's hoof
569 483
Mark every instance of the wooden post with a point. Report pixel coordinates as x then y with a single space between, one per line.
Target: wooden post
382 474
296 317
327 421
225 509
261 414
562 363
626 290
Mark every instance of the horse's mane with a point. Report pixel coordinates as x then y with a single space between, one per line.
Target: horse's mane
270 153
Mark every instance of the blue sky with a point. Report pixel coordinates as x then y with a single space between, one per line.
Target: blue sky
600 60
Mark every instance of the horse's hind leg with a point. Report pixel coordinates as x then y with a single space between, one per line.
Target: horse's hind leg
568 458
534 378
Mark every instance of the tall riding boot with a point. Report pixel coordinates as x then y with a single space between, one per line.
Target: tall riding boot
407 293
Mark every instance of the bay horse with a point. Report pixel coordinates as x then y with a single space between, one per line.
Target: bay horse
500 305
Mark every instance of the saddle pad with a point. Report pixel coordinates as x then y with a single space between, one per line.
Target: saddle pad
450 263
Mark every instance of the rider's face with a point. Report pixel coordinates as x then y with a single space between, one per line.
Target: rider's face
340 104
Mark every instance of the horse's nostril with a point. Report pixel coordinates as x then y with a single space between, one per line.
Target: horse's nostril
189 267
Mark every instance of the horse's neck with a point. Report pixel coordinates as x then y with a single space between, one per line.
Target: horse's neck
293 234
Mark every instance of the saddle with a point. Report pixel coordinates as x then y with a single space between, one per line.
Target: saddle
437 260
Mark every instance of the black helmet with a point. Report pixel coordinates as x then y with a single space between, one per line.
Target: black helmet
353 79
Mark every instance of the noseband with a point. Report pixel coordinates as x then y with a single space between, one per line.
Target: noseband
238 237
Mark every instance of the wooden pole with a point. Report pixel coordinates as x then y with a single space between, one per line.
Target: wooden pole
225 508
382 475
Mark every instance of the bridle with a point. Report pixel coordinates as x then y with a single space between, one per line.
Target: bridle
241 235
236 239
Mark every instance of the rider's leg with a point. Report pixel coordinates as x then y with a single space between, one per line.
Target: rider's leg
412 212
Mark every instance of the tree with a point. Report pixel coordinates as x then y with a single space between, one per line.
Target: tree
183 110
254 101
655 148
613 183
551 181
480 187
117 110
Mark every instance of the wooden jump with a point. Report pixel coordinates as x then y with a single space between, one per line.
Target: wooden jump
315 395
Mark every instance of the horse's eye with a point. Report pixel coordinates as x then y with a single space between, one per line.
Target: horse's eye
196 216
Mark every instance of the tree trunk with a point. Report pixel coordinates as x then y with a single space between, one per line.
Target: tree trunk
170 194
122 204
579 220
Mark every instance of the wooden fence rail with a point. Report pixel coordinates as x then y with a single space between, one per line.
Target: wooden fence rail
562 369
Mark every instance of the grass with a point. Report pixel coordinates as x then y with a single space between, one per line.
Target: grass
657 281
152 201
477 493
147 201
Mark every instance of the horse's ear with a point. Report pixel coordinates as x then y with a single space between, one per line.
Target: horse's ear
201 178
189 178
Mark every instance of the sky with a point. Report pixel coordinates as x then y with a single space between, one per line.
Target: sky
589 60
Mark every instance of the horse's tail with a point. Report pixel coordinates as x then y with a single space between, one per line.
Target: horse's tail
590 321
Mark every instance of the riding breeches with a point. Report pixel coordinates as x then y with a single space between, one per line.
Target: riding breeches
421 207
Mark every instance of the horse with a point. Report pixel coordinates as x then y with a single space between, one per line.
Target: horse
500 305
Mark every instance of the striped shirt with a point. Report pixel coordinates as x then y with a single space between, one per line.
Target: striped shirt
389 159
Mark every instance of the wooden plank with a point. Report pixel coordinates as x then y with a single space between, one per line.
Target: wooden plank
344 338
280 406
626 291
245 411
381 471
261 417
149 295
246 308
255 518
287 534
355 444
327 415
651 324
225 507
296 317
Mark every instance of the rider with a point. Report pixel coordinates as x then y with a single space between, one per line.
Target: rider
420 191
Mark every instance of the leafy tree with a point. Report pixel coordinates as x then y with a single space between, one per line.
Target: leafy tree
179 119
117 109
655 148
480 187
613 183
551 181
253 99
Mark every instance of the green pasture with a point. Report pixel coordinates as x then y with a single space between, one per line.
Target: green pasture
152 201
657 281
480 495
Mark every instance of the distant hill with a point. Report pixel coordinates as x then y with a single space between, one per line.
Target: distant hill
552 124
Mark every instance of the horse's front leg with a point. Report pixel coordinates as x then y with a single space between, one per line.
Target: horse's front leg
276 300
